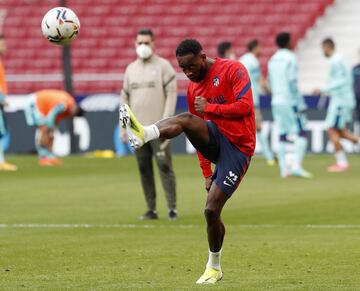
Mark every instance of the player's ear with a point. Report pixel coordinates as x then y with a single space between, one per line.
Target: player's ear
203 56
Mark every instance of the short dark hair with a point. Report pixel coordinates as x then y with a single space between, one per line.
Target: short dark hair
188 46
283 39
146 31
223 47
252 44
329 42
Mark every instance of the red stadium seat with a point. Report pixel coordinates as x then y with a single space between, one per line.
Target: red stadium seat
108 29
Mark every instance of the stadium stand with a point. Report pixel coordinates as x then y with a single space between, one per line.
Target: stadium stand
105 45
342 23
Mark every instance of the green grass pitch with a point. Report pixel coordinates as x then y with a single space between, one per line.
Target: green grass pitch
77 228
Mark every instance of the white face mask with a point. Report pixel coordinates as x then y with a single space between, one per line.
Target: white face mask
144 51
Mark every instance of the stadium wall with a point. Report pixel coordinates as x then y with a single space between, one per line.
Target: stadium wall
98 129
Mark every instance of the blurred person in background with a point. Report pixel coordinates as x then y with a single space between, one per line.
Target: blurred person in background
251 62
226 50
150 89
356 77
287 106
342 103
45 109
4 166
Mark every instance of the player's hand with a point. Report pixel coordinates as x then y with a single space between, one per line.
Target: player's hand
199 104
123 136
208 183
317 92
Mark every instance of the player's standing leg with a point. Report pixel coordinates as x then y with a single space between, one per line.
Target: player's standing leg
263 139
197 131
4 166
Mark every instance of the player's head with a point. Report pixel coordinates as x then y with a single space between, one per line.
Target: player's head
283 40
253 46
225 50
144 43
2 45
192 59
328 47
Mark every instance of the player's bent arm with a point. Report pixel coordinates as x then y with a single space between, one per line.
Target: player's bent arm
338 80
237 109
205 164
53 114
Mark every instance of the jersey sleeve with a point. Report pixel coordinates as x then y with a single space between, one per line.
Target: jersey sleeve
240 83
338 77
205 164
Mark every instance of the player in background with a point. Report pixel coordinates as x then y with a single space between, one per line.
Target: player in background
251 62
45 109
287 105
342 103
226 50
220 124
4 166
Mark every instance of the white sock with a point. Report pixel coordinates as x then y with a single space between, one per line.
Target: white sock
341 159
151 132
214 260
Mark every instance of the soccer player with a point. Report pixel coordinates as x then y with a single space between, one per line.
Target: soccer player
251 62
220 124
287 105
342 103
45 109
226 50
4 166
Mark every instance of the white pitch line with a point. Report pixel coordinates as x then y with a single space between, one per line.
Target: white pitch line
184 226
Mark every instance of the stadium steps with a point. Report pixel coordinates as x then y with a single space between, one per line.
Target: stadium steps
340 22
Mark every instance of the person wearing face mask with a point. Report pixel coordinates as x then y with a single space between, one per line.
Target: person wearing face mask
225 50
150 89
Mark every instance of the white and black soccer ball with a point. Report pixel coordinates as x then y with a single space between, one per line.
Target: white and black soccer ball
60 25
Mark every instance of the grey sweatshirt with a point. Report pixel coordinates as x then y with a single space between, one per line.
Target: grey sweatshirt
150 89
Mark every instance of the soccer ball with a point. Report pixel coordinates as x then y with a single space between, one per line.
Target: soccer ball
60 25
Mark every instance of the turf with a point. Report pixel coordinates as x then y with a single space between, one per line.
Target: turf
77 228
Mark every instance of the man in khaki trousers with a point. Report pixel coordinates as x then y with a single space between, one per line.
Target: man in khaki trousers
150 90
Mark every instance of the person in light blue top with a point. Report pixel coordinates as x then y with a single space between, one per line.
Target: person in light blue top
251 62
339 87
287 106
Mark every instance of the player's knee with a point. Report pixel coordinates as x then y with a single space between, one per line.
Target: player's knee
210 215
186 118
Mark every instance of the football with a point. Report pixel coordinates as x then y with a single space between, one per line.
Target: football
60 26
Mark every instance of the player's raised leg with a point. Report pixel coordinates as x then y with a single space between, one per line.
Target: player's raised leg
194 127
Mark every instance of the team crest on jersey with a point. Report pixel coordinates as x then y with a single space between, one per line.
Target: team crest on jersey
216 81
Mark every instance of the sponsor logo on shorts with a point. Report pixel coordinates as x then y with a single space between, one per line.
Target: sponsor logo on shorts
231 179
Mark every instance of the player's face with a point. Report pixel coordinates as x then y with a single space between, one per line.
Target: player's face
144 39
194 67
257 51
326 50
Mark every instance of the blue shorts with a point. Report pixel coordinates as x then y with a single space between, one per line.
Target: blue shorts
231 164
